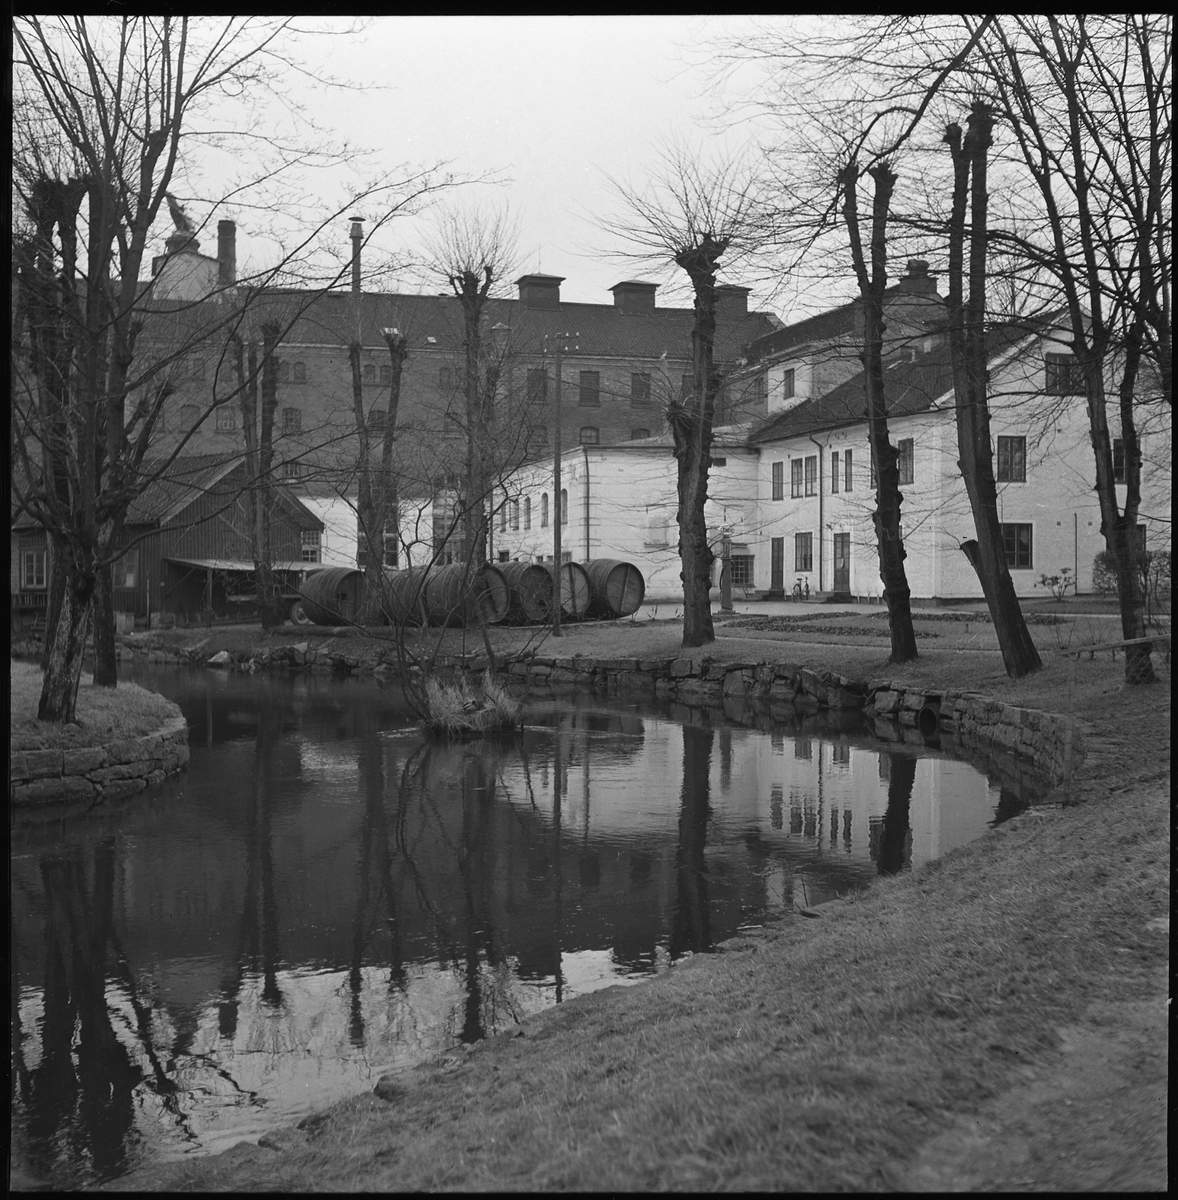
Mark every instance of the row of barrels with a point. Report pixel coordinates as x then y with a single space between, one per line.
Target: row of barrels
501 593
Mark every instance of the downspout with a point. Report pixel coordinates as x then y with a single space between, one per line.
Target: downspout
821 537
585 452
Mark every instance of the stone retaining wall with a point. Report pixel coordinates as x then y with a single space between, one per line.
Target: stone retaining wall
95 773
1047 745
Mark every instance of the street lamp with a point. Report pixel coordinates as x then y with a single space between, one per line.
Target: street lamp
564 345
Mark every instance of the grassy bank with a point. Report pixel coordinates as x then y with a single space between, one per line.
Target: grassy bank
831 1054
103 713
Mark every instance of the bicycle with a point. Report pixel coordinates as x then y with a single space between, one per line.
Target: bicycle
798 593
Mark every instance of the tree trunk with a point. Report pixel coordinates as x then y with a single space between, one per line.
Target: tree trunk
967 344
63 668
367 521
105 664
55 594
691 427
888 498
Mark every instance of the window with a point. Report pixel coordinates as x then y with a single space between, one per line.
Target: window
803 551
904 460
812 475
564 506
226 419
639 388
1063 375
840 754
283 372
755 392
1016 541
742 570
32 568
719 462
636 434
1012 460
189 414
386 374
446 378
834 472
537 386
369 372
795 478
515 514
544 511
787 384
503 516
589 395
846 470
778 481
300 373
527 512
590 435
538 439
391 546
376 418
291 471
1118 460
309 545
122 574
292 420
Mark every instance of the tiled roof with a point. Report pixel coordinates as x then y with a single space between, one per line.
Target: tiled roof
604 331
186 478
910 386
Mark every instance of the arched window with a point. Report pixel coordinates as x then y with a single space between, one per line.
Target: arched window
635 434
564 506
369 372
590 435
527 512
515 514
503 516
386 374
544 511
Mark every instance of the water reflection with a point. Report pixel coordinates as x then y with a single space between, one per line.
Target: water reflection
323 898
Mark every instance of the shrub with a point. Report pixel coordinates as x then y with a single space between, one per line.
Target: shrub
455 710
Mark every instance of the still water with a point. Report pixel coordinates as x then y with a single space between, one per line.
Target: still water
323 897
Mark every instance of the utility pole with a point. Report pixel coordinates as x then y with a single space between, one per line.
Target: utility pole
558 506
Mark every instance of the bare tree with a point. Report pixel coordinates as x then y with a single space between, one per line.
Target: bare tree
474 251
105 111
693 216
888 498
967 344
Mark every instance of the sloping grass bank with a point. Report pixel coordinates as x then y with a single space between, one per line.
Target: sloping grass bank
816 1054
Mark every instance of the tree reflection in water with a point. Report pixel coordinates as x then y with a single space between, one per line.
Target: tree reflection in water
690 926
895 846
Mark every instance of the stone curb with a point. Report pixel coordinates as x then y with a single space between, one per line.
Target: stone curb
97 773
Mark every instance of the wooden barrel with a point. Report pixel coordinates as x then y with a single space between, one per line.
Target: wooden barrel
530 591
455 595
575 592
402 599
616 588
333 596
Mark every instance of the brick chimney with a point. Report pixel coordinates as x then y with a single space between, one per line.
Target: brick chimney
226 253
540 291
732 303
917 280
357 241
632 296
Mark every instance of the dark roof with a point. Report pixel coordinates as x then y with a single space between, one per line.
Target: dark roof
911 385
603 329
835 323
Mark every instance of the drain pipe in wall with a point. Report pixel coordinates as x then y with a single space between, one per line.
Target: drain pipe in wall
821 527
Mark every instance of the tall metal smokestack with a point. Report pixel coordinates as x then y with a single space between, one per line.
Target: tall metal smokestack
226 253
357 239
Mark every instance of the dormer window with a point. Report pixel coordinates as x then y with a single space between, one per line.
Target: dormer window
787 384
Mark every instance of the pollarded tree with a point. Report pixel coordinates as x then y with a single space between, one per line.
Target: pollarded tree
694 217
105 112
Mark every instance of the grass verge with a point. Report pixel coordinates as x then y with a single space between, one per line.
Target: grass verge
103 713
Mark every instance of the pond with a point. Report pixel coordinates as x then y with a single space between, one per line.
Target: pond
323 898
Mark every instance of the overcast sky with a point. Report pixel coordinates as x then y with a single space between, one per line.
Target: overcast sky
553 103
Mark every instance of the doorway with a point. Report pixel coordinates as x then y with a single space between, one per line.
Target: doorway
777 567
842 563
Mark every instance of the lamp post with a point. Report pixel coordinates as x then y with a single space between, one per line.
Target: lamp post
563 341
